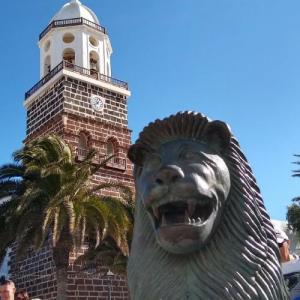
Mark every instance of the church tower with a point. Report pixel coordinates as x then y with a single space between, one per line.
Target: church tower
78 99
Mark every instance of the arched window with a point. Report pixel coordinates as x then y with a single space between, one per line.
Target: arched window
69 55
111 146
82 149
82 141
47 65
114 155
110 150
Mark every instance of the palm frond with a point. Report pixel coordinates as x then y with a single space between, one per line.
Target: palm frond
8 171
106 254
50 193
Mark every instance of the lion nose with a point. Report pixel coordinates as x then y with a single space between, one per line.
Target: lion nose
168 174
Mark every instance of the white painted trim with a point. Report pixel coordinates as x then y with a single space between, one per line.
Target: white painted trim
78 76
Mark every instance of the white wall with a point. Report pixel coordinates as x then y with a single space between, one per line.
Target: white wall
80 45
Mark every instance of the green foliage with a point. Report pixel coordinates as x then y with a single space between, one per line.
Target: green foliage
50 195
296 173
293 213
293 216
105 254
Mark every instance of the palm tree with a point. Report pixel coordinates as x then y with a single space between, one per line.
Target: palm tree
52 195
12 185
293 213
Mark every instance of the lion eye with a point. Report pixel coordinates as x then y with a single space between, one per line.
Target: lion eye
190 155
152 162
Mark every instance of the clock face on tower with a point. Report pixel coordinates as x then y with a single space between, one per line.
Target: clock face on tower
97 102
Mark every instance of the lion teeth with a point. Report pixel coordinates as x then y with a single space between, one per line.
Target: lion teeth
191 221
156 213
194 221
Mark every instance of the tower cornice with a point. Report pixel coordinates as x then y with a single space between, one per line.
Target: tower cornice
79 73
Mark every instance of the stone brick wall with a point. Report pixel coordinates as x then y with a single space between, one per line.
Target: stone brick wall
45 107
96 286
76 101
65 109
36 274
75 116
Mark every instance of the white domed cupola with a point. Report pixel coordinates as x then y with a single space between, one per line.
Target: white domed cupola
74 36
74 9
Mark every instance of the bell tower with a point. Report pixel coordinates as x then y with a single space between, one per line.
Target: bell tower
78 99
76 36
76 96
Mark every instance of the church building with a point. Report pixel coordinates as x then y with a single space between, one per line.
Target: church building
78 99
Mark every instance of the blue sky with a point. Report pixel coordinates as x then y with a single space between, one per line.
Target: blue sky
237 61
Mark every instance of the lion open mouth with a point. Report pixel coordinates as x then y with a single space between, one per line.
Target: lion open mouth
193 213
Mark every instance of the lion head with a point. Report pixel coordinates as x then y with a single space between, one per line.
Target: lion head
201 229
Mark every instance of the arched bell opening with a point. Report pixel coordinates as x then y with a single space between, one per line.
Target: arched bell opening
69 56
47 65
94 63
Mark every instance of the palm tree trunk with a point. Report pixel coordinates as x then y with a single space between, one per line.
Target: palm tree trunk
62 283
61 253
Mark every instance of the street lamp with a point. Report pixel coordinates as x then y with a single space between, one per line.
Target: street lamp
110 275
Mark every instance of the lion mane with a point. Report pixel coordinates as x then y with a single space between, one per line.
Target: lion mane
241 261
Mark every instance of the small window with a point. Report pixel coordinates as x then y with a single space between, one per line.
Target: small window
82 149
47 65
83 141
47 46
110 149
68 38
93 41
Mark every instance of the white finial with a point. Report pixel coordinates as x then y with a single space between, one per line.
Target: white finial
75 1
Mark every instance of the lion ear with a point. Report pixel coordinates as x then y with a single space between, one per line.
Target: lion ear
136 154
217 134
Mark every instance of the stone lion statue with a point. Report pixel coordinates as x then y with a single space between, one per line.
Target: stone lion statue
201 228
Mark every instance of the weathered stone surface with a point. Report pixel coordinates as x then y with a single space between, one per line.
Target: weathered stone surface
201 228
